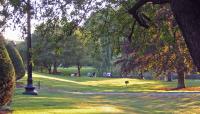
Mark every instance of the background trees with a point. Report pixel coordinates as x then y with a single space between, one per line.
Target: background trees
112 33
16 60
55 43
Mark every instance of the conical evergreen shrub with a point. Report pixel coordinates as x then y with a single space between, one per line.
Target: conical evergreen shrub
7 75
16 60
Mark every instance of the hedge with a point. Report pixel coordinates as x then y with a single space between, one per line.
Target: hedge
16 60
7 75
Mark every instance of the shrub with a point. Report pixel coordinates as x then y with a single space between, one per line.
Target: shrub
16 60
7 76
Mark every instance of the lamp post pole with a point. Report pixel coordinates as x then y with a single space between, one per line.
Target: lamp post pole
29 89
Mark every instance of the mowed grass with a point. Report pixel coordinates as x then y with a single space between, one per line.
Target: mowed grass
100 84
55 97
70 70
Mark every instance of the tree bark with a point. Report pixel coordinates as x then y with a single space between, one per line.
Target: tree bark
79 70
187 14
55 68
49 70
181 79
168 77
141 76
41 69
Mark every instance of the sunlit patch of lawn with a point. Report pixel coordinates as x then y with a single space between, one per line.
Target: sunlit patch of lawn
61 103
52 101
100 84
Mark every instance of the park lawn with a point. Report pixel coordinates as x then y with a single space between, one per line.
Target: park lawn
55 97
100 84
69 70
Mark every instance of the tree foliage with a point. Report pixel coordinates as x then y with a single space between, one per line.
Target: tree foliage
7 75
16 60
56 43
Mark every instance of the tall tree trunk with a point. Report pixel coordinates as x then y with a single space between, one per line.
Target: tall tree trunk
49 70
55 68
79 70
141 75
187 14
168 77
181 79
41 69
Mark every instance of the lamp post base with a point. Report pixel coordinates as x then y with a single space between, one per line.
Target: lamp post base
30 90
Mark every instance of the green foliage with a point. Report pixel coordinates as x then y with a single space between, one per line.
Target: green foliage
7 75
57 42
16 60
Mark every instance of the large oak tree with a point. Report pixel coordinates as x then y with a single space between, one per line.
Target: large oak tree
186 13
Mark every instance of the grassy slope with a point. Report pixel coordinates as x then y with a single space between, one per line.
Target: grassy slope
100 84
52 101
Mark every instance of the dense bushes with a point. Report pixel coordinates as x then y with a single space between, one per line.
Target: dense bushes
7 75
16 60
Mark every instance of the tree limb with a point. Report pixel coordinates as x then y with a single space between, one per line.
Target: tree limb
132 31
141 18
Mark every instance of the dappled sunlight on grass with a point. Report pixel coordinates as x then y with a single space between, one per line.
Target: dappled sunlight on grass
55 97
99 84
55 79
61 103
117 82
94 110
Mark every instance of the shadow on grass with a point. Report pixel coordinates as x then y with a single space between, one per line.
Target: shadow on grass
60 102
97 84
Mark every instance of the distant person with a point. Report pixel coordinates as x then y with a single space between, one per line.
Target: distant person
94 74
89 74
104 74
109 74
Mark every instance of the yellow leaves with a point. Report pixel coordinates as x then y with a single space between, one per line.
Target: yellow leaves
166 49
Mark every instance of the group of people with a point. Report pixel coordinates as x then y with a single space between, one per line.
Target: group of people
91 74
107 74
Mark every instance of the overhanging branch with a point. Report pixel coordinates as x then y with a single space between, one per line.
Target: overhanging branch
141 18
132 31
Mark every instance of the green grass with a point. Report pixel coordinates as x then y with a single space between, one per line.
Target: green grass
54 97
70 70
100 84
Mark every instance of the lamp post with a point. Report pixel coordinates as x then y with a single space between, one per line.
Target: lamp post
29 89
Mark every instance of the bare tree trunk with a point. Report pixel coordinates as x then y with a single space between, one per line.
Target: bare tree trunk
187 14
141 75
41 68
49 70
79 70
55 68
181 79
168 77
